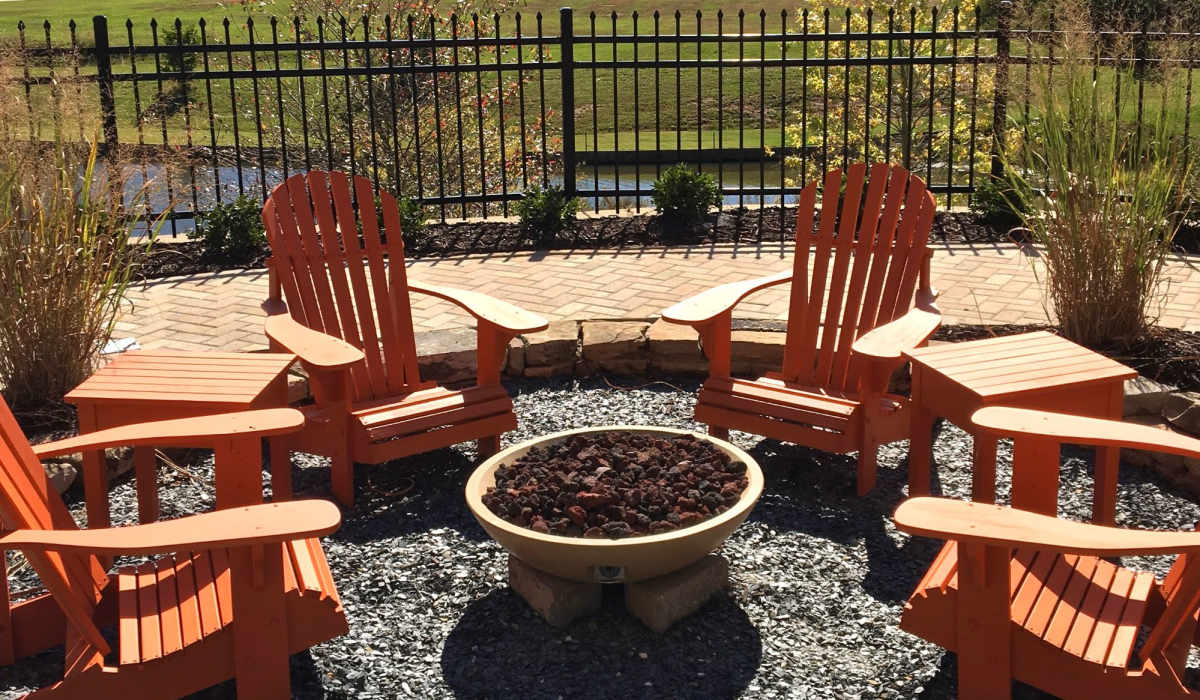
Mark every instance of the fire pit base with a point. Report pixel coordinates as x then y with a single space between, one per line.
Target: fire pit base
663 601
658 602
558 600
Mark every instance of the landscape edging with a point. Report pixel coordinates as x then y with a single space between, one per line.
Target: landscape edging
641 346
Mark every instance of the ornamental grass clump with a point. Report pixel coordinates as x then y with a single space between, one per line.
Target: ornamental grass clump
1110 194
66 260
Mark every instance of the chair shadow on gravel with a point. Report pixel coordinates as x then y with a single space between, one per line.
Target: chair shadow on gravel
814 492
501 648
944 684
406 496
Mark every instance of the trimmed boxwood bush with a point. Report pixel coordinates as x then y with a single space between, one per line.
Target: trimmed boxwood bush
683 195
1001 201
545 213
231 232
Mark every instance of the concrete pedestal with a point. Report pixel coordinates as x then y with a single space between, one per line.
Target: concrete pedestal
658 602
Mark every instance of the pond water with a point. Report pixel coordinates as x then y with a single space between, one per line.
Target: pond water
200 187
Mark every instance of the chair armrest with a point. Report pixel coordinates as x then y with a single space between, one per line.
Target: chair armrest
501 314
313 347
889 341
200 431
1000 526
707 305
234 527
1006 421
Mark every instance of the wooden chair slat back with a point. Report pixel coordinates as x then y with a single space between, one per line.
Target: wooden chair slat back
342 275
363 310
398 282
843 249
27 501
866 255
855 286
1181 591
322 218
797 355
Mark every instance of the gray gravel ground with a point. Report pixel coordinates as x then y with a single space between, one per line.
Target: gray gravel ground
818 577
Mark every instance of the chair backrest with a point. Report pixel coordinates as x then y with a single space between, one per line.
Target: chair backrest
27 501
867 253
342 277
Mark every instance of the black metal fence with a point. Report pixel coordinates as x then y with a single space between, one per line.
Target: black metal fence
466 114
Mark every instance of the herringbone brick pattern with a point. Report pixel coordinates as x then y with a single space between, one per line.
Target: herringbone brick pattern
978 284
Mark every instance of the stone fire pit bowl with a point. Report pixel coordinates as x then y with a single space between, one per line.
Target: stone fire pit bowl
603 560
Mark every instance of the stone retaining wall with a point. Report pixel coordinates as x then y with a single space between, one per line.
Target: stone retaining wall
647 346
1150 403
653 346
582 348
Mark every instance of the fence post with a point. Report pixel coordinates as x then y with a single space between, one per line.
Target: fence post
1000 100
567 47
104 75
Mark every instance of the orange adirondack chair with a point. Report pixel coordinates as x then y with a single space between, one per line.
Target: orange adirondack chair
347 316
1022 595
848 321
239 590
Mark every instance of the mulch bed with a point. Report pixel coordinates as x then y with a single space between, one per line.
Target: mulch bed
616 484
483 237
183 257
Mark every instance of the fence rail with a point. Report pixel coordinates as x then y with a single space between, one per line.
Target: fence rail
467 114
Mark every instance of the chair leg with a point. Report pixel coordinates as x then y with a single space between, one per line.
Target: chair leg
982 623
281 469
341 474
7 657
259 622
487 446
867 455
718 432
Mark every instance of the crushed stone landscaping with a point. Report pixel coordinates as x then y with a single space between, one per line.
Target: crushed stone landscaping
818 576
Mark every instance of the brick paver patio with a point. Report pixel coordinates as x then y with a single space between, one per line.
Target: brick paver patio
982 283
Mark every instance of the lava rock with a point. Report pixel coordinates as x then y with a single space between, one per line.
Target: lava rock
626 495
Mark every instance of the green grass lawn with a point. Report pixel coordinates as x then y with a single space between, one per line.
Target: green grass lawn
725 99
61 12
719 100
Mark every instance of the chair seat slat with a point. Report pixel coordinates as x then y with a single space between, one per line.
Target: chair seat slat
1095 595
1031 586
1131 618
128 616
1109 618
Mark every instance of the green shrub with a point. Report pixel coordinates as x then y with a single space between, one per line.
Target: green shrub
545 213
1001 201
231 232
683 195
412 217
176 61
